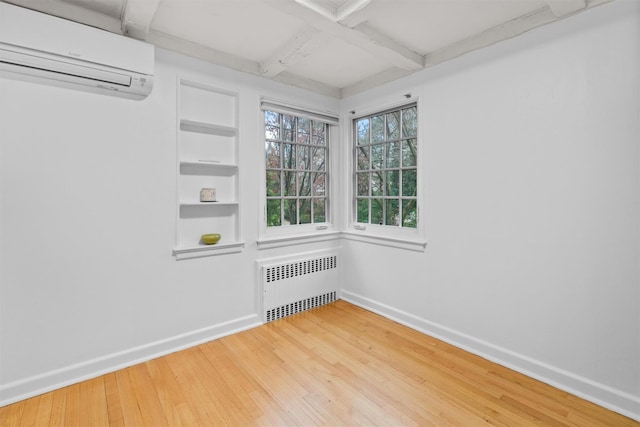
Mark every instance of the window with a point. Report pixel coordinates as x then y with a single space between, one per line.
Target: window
385 184
296 155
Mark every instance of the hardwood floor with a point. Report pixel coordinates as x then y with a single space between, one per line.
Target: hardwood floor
335 365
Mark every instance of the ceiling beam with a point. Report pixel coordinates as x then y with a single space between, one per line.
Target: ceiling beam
371 40
292 52
362 36
312 85
350 7
322 8
491 36
137 17
195 50
373 81
335 14
561 8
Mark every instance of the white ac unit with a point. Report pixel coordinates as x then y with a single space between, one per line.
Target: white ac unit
43 48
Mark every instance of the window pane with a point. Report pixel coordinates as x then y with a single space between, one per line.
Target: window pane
303 130
363 184
363 210
271 132
319 183
392 214
271 118
318 158
363 128
318 133
273 183
393 154
377 154
377 129
289 184
303 158
409 152
376 184
319 210
305 211
377 211
288 127
290 212
273 213
363 158
409 213
304 184
393 183
272 151
409 183
393 125
289 156
409 122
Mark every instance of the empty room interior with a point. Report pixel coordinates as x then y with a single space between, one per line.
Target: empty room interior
319 212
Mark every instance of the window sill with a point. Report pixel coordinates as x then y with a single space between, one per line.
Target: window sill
280 241
393 242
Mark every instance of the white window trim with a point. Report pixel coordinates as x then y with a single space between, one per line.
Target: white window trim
287 235
298 239
397 237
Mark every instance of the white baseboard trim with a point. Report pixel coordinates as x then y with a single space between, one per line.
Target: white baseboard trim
52 380
600 394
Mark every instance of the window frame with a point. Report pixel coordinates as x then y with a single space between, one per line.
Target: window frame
386 168
284 235
388 235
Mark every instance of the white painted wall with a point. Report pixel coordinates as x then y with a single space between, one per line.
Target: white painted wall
532 194
88 186
532 189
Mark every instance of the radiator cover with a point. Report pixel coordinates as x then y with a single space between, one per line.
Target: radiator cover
290 287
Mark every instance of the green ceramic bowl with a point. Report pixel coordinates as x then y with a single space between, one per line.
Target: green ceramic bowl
210 239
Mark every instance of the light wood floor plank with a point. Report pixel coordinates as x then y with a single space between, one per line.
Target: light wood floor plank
146 395
30 411
112 396
201 407
72 410
58 407
171 398
131 414
45 405
335 365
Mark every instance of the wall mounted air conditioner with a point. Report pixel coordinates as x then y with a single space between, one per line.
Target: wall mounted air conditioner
42 48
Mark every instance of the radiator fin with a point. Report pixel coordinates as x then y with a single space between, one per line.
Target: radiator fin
294 269
299 306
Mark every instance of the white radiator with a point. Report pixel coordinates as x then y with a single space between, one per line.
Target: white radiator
294 286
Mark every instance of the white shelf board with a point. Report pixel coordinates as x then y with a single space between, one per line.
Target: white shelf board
196 203
199 251
210 128
208 164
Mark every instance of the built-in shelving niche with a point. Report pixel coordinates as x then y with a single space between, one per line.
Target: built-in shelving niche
207 156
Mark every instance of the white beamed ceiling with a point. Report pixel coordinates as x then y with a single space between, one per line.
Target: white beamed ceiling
335 47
